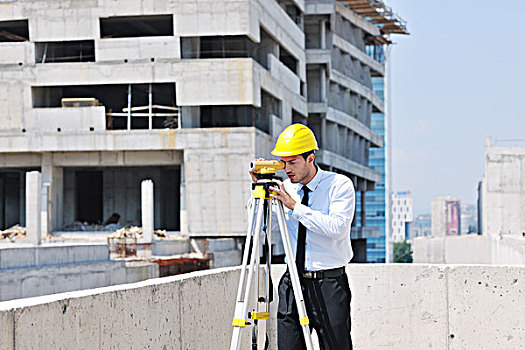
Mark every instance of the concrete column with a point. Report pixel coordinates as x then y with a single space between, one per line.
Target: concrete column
322 34
190 117
44 200
184 229
323 142
147 211
323 85
363 208
33 207
52 195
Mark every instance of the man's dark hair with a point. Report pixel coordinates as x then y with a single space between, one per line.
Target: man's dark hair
306 154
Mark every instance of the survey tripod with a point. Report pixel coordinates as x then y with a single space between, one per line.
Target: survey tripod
260 223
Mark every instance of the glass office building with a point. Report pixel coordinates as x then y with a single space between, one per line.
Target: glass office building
376 201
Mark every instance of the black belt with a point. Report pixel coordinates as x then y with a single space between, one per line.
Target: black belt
324 273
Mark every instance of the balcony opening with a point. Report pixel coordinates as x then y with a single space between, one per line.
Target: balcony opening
136 26
65 51
315 123
239 116
288 60
12 192
235 46
128 106
13 31
92 195
313 78
226 47
298 117
89 196
292 11
270 105
232 116
376 51
312 30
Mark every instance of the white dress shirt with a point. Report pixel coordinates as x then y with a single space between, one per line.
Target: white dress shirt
327 218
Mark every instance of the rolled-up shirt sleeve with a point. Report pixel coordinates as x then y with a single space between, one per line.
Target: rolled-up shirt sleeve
337 222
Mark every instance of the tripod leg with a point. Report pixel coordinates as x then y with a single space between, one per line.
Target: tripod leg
238 314
294 277
241 307
268 255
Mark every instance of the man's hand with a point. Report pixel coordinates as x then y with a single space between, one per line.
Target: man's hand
282 195
254 178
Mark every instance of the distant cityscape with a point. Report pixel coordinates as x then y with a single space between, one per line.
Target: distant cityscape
450 217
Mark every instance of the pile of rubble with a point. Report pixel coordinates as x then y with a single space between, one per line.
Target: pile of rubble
84 226
13 233
133 232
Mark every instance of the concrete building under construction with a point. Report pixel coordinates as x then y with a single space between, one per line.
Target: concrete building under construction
100 95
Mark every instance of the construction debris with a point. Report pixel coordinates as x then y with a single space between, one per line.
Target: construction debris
133 232
127 232
13 233
84 226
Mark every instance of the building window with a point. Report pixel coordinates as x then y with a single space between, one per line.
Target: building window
114 97
136 26
12 31
288 59
65 51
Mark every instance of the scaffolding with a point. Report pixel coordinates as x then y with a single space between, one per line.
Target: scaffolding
170 114
377 12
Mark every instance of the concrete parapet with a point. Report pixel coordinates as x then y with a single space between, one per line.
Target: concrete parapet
508 249
282 73
17 53
396 306
67 119
141 270
166 247
470 249
49 255
227 258
224 251
118 49
184 312
33 282
486 307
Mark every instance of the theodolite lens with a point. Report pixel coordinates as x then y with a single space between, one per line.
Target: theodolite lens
266 166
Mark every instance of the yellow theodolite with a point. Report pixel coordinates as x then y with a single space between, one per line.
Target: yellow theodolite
265 171
259 222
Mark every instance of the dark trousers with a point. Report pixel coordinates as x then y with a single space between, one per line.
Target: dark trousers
328 308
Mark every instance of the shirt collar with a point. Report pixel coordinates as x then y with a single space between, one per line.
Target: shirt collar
312 185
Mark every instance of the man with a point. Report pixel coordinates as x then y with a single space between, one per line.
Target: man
319 211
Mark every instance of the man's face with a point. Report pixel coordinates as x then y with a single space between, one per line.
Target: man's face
297 168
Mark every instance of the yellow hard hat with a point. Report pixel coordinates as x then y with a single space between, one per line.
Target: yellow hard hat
294 140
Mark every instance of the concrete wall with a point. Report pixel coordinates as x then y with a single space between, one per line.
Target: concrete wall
17 53
129 60
79 119
27 271
503 190
217 183
393 307
470 249
145 48
48 255
30 282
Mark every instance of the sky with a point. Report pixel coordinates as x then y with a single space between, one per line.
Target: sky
455 80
